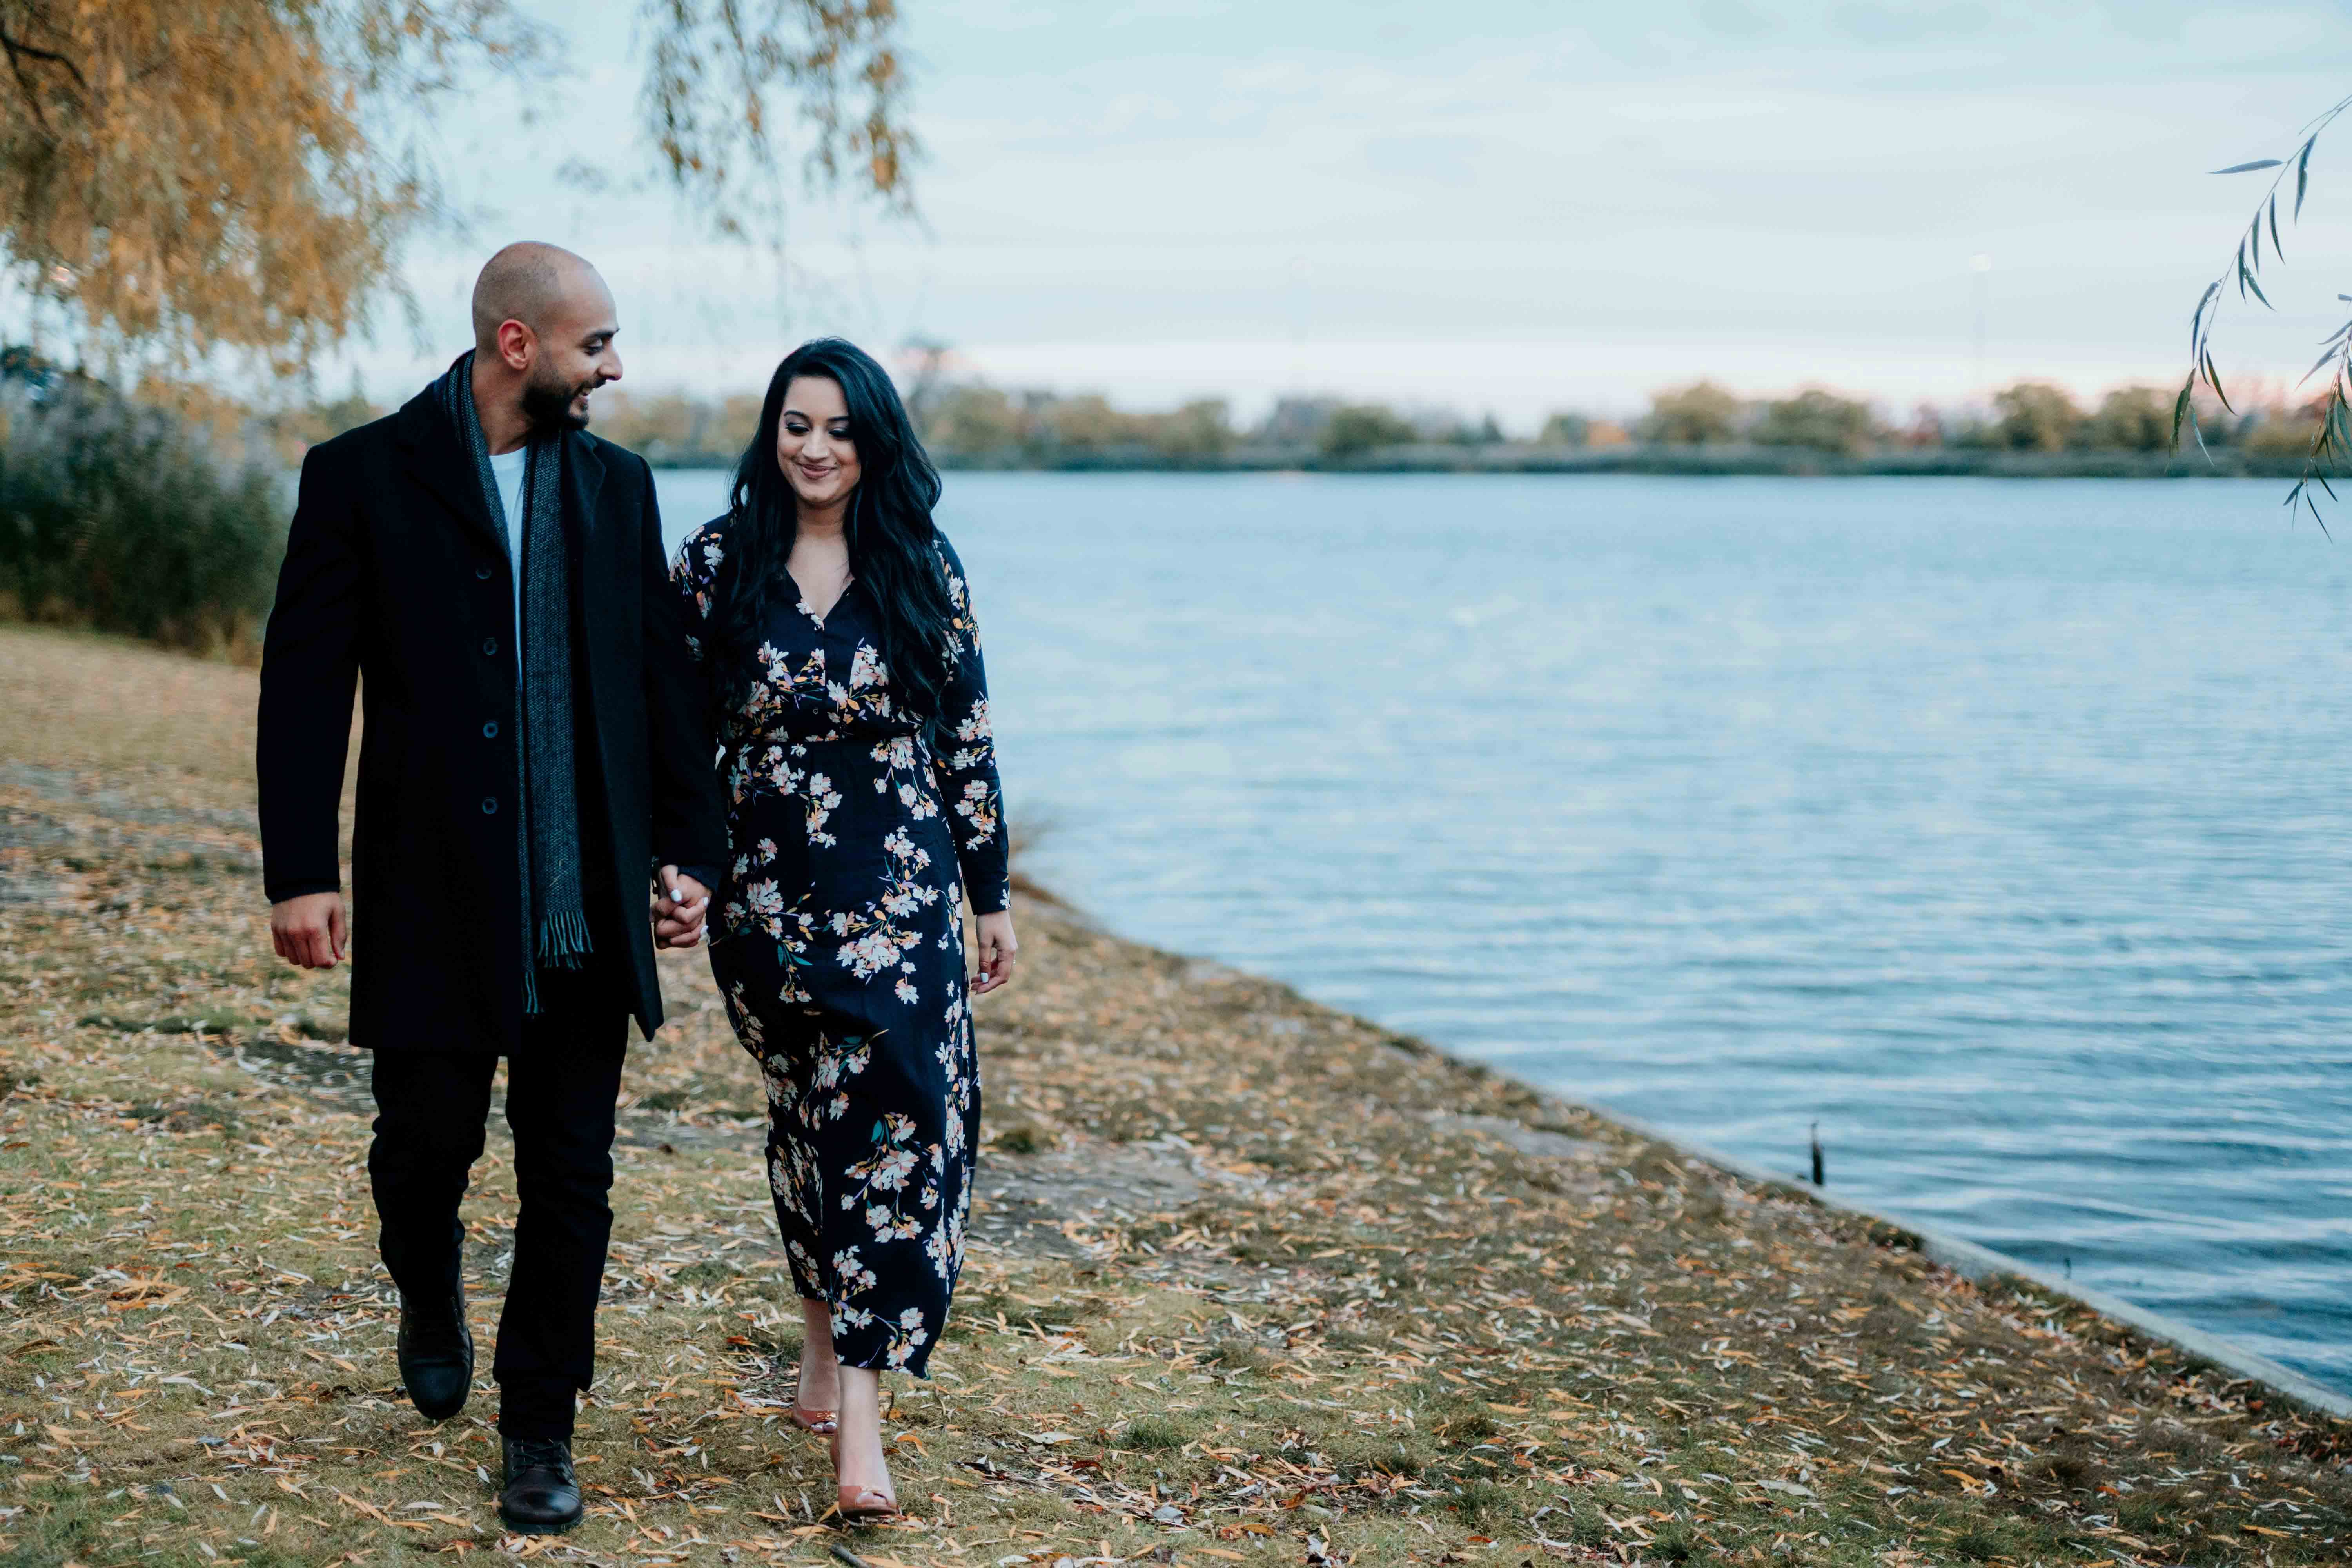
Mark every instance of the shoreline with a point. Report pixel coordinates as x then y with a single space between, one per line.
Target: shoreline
1726 461
1251 1279
1977 1263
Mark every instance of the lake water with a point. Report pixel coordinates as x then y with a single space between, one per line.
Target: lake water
2002 828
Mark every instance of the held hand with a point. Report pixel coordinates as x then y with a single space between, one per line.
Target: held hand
997 947
310 930
679 909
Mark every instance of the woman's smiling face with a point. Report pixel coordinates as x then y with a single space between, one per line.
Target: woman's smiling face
814 445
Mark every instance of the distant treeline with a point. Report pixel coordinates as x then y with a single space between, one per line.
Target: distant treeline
162 512
2031 429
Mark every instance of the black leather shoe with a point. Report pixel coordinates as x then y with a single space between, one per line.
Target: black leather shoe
436 1357
541 1495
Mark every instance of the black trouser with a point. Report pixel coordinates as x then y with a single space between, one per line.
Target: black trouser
432 1108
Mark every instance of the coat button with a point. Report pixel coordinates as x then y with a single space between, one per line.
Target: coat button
490 731
490 805
482 574
489 647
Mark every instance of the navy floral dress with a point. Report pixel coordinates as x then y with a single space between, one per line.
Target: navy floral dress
855 831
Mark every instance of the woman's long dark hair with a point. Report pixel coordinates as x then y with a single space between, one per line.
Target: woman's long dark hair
887 525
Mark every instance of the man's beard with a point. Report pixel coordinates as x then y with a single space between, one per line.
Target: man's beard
548 406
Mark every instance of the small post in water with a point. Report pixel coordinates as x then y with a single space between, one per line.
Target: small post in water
1817 1156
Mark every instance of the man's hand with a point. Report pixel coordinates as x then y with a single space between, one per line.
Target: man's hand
679 909
310 930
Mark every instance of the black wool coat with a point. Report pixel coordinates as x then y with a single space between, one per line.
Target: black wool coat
396 579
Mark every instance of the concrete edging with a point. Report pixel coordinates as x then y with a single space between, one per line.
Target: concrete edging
1973 1261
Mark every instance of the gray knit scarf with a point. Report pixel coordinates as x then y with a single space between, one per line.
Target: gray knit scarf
554 913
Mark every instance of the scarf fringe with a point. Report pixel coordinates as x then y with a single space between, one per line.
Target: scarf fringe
562 938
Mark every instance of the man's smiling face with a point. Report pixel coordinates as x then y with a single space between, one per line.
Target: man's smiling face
574 354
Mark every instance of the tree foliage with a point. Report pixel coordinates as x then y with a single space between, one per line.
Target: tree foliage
1360 427
2035 416
986 424
1819 418
715 64
1565 428
2133 420
2331 440
184 177
1695 416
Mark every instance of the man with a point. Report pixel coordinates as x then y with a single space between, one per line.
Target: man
534 745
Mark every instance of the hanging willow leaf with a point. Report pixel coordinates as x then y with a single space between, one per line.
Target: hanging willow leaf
2213 379
2334 438
2197 322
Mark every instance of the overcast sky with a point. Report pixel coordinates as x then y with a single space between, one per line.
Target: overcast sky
1482 205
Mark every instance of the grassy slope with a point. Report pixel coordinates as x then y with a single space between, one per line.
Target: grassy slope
1361 1302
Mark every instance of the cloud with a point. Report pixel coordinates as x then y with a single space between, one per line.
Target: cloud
1796 185
1910 24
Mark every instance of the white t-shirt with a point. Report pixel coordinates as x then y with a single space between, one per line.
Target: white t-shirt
508 469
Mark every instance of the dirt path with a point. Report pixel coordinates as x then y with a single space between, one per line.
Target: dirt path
1251 1280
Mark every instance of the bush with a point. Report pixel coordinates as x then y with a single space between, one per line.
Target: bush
974 422
1565 431
983 423
2035 416
2282 430
1820 419
2134 419
121 517
1694 415
1200 430
1298 421
1361 427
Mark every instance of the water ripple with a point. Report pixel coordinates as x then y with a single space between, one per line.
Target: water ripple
1998 827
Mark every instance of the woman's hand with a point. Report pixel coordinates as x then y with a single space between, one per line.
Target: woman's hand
997 947
679 909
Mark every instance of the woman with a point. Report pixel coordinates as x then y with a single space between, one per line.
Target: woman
835 634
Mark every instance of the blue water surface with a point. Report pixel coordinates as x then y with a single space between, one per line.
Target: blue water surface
2001 827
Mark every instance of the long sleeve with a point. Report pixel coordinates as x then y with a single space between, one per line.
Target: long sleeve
694 585
689 821
963 758
310 676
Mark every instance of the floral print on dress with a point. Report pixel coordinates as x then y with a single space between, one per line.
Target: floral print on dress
855 829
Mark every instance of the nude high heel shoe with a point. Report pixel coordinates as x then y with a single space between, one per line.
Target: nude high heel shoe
859 1505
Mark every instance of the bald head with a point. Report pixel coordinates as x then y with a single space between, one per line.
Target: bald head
543 329
530 282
